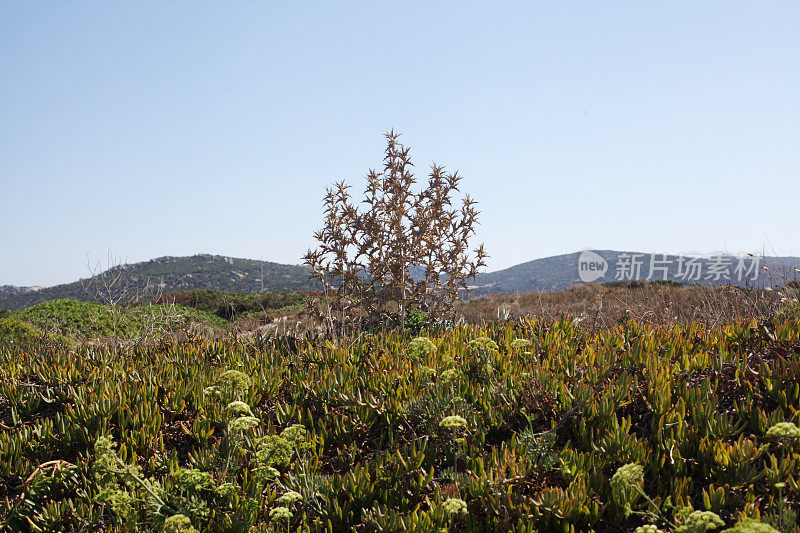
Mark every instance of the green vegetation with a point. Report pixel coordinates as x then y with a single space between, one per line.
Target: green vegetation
230 305
15 332
83 320
18 333
59 320
526 426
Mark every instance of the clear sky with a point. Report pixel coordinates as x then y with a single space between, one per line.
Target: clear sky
169 128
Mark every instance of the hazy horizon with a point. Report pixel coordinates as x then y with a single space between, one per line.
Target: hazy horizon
154 129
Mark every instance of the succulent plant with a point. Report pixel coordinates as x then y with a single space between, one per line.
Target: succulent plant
564 440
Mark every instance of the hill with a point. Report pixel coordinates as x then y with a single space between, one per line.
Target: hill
556 273
560 272
10 290
167 274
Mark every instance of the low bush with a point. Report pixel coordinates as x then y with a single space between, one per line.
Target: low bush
83 320
230 305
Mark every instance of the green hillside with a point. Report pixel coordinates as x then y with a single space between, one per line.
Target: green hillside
168 274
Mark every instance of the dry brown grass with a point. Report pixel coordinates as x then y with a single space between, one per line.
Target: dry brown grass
602 306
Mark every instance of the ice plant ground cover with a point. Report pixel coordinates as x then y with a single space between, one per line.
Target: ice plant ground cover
657 429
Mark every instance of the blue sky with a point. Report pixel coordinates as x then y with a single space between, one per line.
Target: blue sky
170 128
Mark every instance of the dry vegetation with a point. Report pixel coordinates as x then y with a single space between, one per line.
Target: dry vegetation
369 251
604 306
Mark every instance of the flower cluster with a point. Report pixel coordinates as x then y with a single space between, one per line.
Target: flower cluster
227 490
453 422
192 479
426 371
290 497
482 345
234 379
178 524
454 506
214 391
239 408
783 431
419 348
520 344
119 482
295 434
230 383
647 529
624 485
280 513
697 521
243 423
274 451
450 376
628 474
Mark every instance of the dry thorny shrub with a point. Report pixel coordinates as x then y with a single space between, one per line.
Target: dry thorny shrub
399 248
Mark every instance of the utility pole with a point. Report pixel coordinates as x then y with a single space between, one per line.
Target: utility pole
261 264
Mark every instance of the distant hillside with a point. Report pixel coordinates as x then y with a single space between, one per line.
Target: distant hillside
167 274
557 273
10 290
560 272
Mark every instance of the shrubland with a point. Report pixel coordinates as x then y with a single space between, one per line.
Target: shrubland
19 333
521 425
85 321
232 305
596 306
